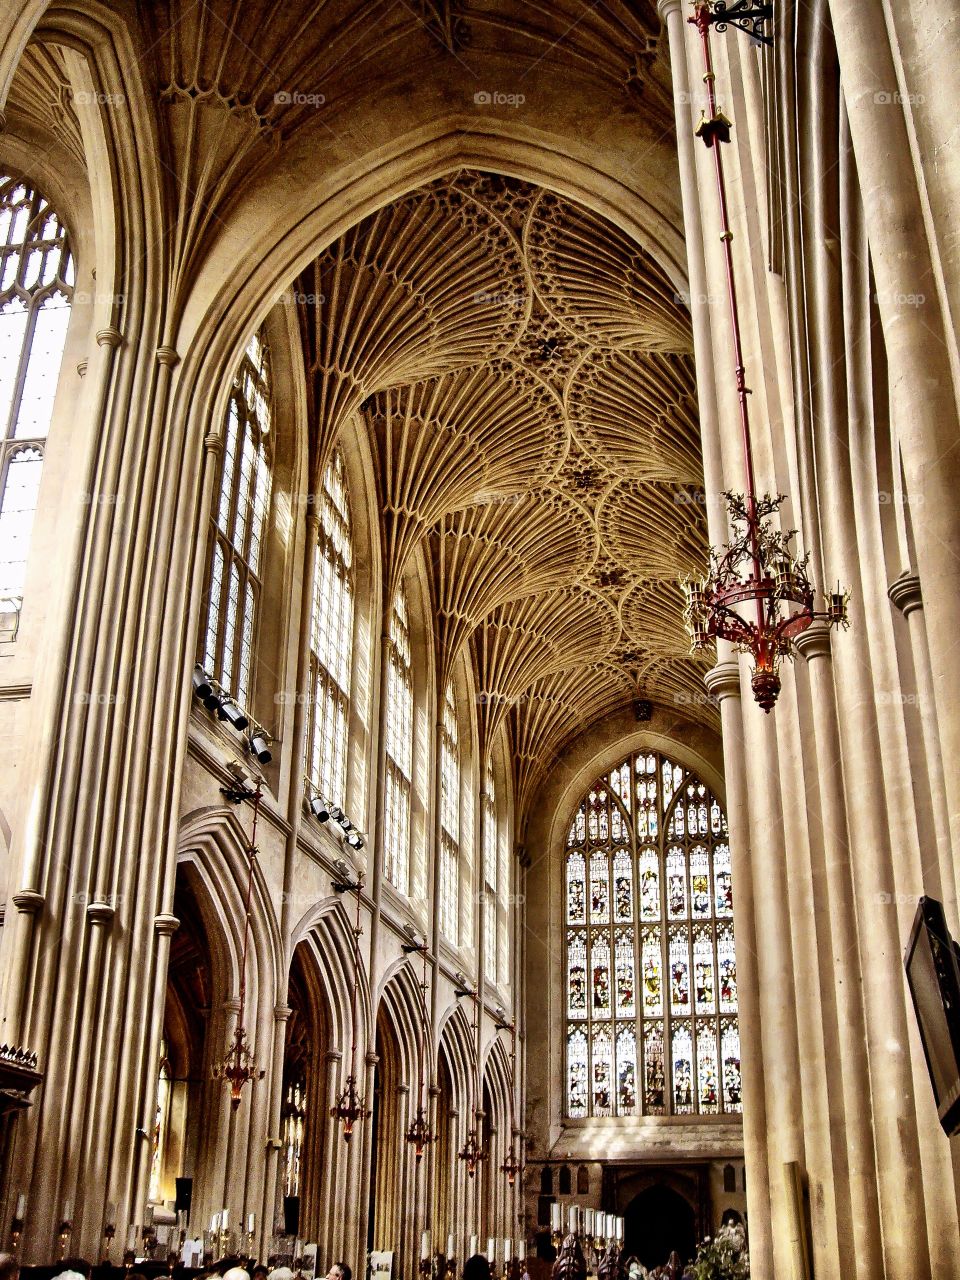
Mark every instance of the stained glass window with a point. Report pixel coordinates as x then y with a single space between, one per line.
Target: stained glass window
36 290
239 525
331 642
650 960
294 1116
399 747
449 821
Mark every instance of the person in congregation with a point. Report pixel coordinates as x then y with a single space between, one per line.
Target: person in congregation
340 1271
476 1268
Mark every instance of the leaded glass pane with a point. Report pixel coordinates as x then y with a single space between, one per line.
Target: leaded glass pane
653 1069
682 1064
622 888
600 963
599 888
627 1072
626 988
577 1073
577 975
708 1076
602 1072
576 889
676 883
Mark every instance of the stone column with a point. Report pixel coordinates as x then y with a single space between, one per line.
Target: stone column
920 347
906 595
723 682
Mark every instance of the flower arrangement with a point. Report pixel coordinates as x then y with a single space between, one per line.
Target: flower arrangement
724 1257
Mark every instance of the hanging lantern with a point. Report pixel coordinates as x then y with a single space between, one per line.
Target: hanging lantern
420 1135
756 594
239 1067
511 1167
472 1153
349 1108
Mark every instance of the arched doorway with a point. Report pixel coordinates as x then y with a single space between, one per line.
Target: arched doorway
657 1221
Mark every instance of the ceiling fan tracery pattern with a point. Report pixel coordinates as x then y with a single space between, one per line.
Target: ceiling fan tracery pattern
524 373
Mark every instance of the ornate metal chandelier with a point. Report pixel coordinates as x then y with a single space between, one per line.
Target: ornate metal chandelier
420 1135
473 1150
351 1106
239 1066
756 594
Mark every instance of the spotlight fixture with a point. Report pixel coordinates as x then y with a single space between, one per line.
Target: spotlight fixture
354 839
320 808
228 710
201 682
336 814
259 745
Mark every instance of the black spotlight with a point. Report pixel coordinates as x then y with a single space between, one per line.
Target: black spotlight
201 683
336 814
260 747
355 840
320 808
230 711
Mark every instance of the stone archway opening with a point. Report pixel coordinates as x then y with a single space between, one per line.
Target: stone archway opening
658 1221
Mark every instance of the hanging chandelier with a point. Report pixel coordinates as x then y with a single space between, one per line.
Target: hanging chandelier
473 1150
756 594
351 1106
420 1135
239 1067
513 1164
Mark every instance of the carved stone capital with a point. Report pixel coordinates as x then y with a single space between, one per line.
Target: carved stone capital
165 924
100 913
334 1055
814 642
905 593
371 1058
213 442
723 680
281 1012
82 367
666 7
28 901
109 337
168 357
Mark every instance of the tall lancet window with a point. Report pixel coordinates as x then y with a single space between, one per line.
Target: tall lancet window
331 641
449 821
239 526
495 886
651 970
36 290
399 746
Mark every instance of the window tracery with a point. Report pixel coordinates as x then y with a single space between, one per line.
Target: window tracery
651 1005
331 640
239 526
399 747
36 292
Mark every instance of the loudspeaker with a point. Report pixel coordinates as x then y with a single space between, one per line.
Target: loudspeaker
291 1215
184 1194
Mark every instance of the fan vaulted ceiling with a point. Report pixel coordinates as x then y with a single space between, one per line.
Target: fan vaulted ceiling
524 371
